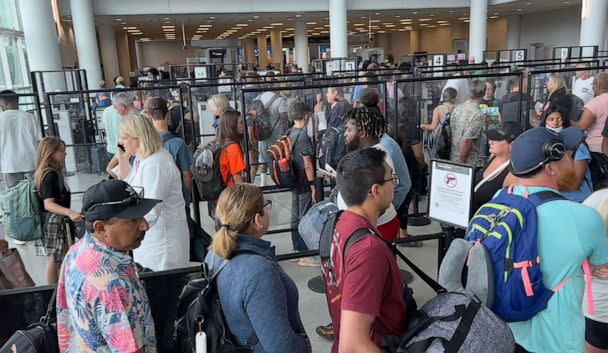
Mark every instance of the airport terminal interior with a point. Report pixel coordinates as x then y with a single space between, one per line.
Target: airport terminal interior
409 66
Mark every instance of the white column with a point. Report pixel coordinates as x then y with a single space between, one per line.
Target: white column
109 54
593 22
301 45
86 40
513 28
338 34
477 29
262 55
41 41
139 54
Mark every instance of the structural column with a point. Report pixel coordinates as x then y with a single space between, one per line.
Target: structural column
248 47
86 40
593 22
338 34
139 53
513 28
41 42
109 54
477 29
262 55
414 40
301 45
276 43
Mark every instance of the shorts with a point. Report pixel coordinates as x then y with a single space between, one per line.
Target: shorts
54 238
262 147
596 333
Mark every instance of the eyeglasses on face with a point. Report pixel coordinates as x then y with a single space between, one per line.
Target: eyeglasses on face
267 204
395 179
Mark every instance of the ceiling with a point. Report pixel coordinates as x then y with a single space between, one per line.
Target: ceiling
239 26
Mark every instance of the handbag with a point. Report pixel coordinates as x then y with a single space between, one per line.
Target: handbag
40 337
12 271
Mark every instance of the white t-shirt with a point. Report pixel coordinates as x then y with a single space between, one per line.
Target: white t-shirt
166 244
390 212
583 89
18 141
461 85
598 286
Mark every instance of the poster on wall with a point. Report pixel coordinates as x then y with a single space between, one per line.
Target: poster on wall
450 193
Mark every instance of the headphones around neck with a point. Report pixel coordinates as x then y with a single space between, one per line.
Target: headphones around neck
553 151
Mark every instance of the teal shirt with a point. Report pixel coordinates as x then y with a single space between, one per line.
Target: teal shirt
568 233
111 119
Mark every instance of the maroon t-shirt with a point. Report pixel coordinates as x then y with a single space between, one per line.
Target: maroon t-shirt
368 283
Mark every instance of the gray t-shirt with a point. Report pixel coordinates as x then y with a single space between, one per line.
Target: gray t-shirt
301 146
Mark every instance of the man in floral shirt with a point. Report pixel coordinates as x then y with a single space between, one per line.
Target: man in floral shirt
466 124
101 304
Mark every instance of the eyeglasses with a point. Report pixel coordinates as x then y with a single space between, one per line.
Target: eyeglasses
267 203
394 179
130 200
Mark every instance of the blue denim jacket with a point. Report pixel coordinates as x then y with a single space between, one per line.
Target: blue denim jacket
405 183
256 294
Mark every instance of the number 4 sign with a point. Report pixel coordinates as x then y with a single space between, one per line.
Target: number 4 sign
438 60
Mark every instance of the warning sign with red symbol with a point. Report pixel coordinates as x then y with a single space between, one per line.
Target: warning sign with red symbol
450 193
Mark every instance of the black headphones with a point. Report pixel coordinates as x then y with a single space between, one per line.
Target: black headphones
553 151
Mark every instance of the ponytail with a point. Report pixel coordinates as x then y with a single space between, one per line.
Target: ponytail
224 242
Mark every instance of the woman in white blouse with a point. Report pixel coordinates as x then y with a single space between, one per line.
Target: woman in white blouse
166 244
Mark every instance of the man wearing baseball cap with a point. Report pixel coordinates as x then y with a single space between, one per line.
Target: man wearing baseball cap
101 304
568 234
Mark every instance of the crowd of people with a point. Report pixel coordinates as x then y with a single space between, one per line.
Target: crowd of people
141 215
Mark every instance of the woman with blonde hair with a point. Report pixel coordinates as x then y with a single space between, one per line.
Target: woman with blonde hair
259 300
56 201
558 96
218 103
596 324
167 242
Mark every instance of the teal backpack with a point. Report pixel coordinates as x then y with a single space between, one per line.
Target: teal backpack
21 211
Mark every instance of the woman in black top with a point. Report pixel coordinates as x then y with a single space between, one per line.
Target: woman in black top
55 197
496 174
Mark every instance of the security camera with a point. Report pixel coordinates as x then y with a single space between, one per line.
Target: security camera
371 38
185 47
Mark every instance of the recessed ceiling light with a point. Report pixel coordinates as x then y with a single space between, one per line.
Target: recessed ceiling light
519 9
131 27
496 13
381 31
406 20
451 11
444 24
467 21
125 28
424 19
377 13
415 12
311 23
423 24
256 16
316 34
172 26
442 21
359 24
212 17
209 21
268 27
463 18
432 15
118 19
493 17
166 18
298 15
363 17
277 24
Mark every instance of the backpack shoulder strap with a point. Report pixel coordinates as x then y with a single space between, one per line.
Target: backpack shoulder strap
541 197
355 237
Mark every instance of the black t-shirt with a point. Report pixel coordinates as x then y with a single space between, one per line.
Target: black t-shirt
302 146
486 191
53 187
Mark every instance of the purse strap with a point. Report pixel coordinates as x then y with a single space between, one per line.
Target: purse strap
46 319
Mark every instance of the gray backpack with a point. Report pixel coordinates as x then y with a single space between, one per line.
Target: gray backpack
311 225
454 322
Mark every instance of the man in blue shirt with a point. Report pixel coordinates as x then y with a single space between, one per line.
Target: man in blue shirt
568 234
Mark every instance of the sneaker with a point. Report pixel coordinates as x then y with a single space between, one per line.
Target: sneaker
326 331
311 261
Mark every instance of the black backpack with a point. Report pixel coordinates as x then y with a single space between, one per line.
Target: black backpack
577 105
332 147
40 337
207 174
199 309
598 166
280 162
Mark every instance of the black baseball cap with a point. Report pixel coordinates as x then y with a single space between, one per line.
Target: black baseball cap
509 130
114 198
527 150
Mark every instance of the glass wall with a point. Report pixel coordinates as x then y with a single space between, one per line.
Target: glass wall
14 71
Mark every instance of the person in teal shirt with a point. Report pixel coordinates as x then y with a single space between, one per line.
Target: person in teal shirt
568 234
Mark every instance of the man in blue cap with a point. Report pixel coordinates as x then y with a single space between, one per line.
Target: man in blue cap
568 234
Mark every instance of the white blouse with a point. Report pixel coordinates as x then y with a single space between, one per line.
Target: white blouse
166 244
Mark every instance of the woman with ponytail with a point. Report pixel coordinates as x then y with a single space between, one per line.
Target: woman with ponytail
256 295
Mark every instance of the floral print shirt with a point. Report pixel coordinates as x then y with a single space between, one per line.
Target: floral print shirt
466 123
101 304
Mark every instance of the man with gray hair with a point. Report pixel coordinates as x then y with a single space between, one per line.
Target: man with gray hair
122 105
466 124
583 85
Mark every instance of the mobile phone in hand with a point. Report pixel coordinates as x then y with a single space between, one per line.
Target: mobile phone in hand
121 147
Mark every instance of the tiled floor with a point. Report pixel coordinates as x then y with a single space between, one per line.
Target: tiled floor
313 306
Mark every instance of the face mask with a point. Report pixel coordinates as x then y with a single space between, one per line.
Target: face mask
557 130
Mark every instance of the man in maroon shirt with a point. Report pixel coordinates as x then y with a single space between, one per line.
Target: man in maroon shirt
365 293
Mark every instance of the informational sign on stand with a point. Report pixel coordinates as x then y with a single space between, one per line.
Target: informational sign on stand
200 72
451 193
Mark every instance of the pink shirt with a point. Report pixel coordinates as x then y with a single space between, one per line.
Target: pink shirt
599 107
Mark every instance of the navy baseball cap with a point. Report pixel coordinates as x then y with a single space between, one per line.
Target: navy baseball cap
114 198
509 130
527 152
